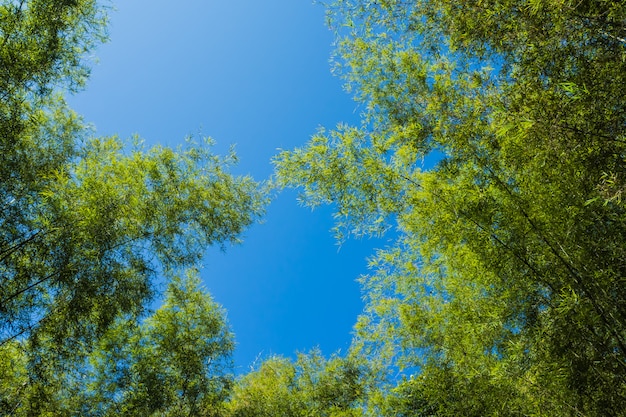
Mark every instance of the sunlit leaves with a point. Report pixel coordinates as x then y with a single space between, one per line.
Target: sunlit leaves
310 385
176 362
505 280
87 224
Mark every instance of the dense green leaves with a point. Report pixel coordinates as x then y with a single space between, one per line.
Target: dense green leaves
502 294
44 44
108 222
87 224
309 386
177 362
505 286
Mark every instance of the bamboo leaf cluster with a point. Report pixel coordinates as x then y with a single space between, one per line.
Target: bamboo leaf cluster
491 150
503 293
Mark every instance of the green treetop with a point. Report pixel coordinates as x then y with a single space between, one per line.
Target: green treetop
503 293
85 223
309 386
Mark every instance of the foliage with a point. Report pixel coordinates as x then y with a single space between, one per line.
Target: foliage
309 386
86 225
504 289
175 362
104 225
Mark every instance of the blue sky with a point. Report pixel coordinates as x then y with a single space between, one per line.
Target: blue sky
255 74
